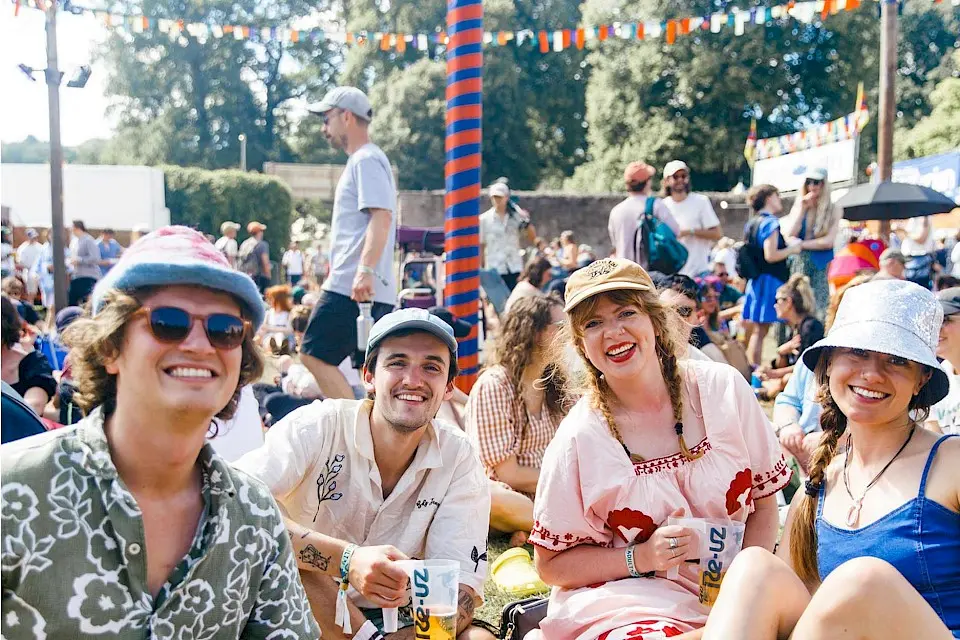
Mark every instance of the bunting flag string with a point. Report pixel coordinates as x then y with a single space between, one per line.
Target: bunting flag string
845 128
547 40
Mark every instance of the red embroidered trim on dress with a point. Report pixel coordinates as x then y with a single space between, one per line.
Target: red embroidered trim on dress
767 484
656 465
558 542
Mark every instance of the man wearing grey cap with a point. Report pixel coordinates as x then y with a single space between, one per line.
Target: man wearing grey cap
364 484
945 415
892 265
362 238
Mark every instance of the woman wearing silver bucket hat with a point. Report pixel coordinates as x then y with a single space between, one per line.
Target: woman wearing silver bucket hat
879 522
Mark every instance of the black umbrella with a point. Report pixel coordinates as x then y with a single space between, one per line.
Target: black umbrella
893 201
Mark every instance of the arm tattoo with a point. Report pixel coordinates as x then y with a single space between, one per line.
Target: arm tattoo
311 556
465 608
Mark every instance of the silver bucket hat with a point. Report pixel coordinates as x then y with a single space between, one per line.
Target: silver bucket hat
896 317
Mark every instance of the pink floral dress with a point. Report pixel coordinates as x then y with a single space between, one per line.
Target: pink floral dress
591 493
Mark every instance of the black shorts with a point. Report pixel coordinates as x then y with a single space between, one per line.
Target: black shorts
331 334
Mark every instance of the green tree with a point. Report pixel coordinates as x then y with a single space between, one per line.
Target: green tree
31 151
694 99
938 132
533 103
201 92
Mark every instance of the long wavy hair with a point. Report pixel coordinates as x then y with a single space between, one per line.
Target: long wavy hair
95 341
670 344
823 217
518 341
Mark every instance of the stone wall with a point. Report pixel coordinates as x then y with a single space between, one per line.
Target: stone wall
585 215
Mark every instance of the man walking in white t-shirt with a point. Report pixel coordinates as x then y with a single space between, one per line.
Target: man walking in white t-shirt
293 263
699 224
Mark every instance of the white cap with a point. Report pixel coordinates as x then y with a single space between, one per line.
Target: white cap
673 166
500 189
348 98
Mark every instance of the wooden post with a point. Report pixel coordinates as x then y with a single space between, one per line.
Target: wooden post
52 76
887 110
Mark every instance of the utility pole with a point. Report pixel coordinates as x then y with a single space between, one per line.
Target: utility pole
888 105
52 75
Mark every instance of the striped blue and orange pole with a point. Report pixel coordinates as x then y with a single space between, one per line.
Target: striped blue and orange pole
462 174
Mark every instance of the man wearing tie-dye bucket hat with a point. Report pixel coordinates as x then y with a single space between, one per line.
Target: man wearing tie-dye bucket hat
128 524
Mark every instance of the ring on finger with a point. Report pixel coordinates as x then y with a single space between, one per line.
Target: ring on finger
673 542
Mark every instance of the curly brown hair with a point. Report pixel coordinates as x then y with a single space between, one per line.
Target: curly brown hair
670 347
517 342
94 341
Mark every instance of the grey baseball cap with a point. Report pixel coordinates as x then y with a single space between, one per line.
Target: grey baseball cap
411 320
348 98
950 300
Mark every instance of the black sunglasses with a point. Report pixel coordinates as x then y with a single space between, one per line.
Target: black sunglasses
685 312
325 116
814 183
173 325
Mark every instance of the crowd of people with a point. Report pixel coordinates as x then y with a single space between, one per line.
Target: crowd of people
232 473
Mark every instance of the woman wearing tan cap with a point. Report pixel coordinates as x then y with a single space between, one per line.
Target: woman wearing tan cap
651 437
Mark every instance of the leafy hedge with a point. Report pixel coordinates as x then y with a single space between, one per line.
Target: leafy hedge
205 199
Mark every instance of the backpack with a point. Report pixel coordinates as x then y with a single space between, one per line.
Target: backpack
247 257
749 252
664 252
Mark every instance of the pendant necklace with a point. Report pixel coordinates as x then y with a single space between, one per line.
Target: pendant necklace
853 514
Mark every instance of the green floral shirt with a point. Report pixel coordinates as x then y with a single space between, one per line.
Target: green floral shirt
74 557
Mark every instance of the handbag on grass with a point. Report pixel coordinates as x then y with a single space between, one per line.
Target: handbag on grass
521 617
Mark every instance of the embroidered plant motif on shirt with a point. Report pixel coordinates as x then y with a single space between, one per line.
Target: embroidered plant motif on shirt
327 481
476 556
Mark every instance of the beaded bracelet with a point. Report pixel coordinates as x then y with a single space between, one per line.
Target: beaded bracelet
342 616
631 562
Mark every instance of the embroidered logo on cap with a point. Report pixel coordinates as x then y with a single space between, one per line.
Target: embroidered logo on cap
601 268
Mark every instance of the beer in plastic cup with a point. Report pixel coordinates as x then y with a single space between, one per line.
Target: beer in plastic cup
433 591
718 542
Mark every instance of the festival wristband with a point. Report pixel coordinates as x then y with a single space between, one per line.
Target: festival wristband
368 631
373 272
631 562
342 616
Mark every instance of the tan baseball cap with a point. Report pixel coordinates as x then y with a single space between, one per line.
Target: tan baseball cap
256 227
608 274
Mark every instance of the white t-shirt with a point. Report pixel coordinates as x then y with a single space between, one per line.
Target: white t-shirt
229 248
27 254
947 411
694 212
293 261
909 246
241 433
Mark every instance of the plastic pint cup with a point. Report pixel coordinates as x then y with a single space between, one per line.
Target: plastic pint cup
433 591
718 541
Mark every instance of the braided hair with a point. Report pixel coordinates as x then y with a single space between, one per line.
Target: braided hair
803 532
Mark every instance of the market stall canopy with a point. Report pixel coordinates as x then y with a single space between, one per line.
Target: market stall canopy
893 201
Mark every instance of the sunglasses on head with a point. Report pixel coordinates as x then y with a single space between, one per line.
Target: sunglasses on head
810 182
780 299
172 325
